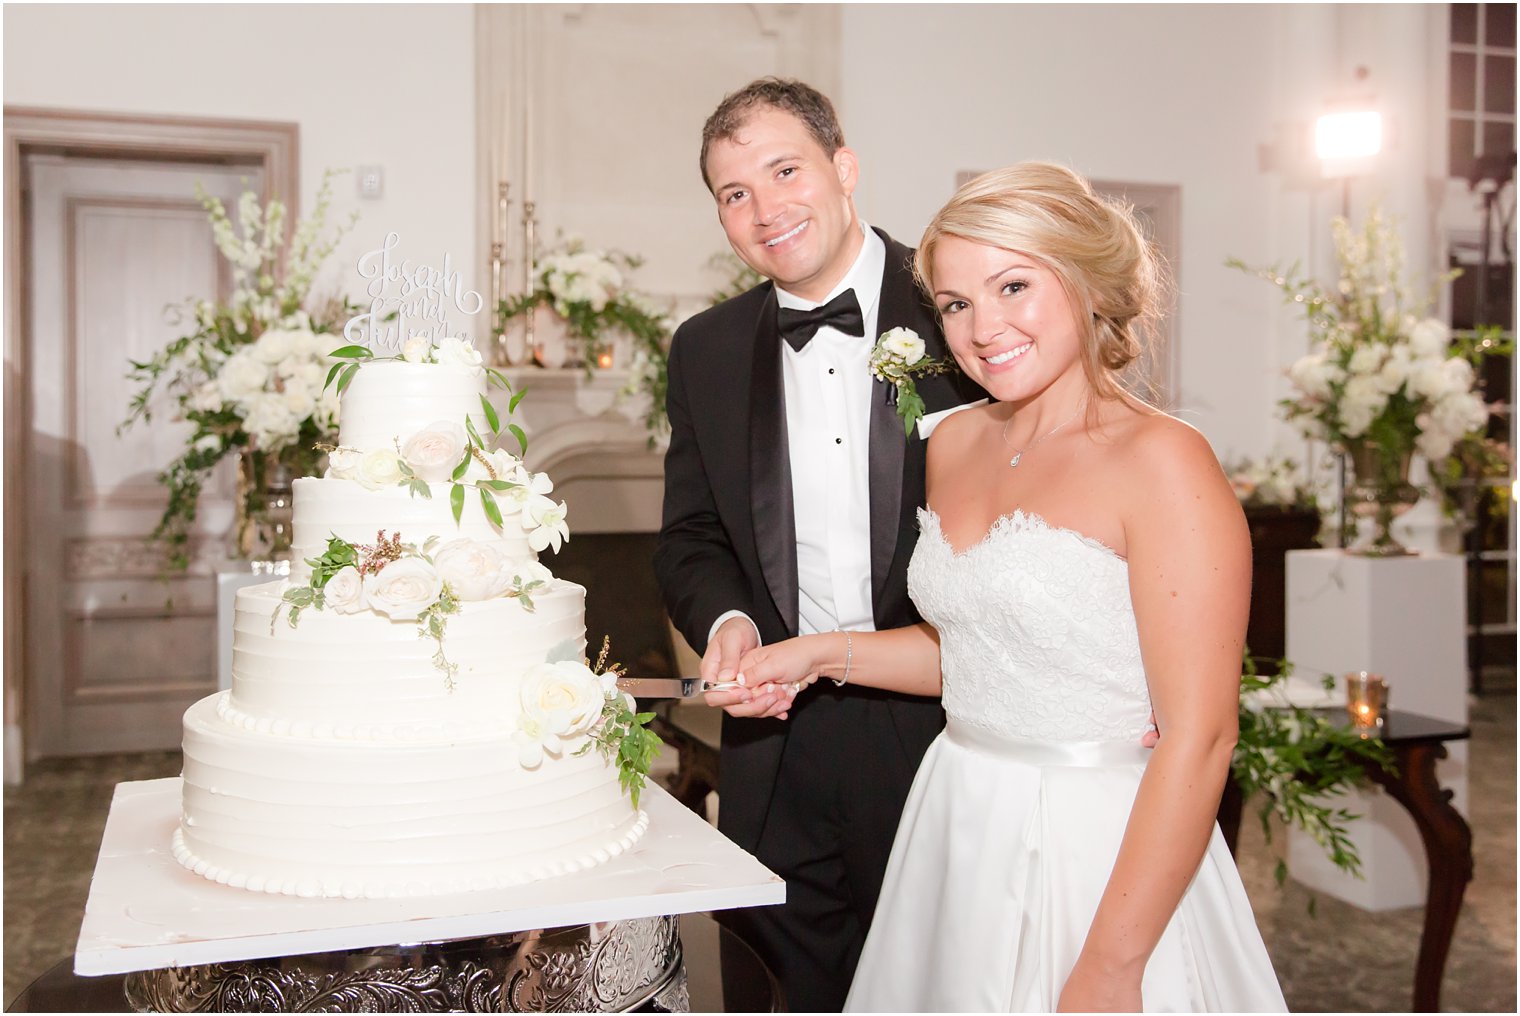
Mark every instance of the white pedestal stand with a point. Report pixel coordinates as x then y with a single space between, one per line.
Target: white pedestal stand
145 911
1404 618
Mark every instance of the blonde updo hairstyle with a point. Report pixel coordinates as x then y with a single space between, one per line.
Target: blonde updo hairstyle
1111 273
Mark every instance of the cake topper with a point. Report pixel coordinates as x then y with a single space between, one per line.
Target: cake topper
407 299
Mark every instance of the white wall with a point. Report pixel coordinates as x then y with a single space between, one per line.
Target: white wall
1142 93
392 85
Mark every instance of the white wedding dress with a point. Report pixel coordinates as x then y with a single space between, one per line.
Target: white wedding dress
1016 815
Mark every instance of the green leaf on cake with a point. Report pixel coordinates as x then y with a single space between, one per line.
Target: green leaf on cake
347 376
491 417
522 439
332 374
498 484
351 353
469 425
488 502
456 501
498 378
462 468
512 405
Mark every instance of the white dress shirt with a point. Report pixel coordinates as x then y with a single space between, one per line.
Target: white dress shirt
827 388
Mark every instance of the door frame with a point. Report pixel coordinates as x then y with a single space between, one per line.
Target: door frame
274 145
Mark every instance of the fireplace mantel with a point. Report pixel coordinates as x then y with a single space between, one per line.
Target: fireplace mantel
590 439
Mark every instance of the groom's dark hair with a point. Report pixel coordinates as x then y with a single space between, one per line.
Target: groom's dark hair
798 98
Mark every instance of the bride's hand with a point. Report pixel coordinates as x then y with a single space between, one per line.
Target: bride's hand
1093 988
782 669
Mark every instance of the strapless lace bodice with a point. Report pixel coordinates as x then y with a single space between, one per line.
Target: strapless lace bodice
1037 632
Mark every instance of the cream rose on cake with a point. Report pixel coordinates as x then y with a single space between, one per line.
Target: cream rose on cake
434 451
561 702
403 589
344 592
472 569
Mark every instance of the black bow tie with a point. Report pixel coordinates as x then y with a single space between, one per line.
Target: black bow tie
843 312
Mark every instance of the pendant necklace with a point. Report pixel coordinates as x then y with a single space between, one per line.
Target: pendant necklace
1018 453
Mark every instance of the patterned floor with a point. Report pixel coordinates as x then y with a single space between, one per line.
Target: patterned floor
1338 960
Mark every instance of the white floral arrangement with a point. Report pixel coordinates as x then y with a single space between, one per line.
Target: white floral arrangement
1274 481
899 357
249 378
1379 372
589 289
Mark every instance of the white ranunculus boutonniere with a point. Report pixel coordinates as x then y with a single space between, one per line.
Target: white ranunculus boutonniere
899 357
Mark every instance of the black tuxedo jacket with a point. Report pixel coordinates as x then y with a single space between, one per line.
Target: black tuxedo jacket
727 541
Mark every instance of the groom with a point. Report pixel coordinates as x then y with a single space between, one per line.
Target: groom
790 498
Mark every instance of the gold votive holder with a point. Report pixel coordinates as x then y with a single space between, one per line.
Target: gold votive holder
1366 699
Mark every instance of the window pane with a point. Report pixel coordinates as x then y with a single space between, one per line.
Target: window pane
1461 148
1498 138
1499 25
1464 82
1498 83
1464 23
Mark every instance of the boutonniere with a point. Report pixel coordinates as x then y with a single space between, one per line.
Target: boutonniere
898 357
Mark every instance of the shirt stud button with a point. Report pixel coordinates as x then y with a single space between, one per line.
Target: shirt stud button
839 440
831 370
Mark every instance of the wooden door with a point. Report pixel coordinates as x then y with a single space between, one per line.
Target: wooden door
114 653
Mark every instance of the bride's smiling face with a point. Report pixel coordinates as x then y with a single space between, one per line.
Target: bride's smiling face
1007 319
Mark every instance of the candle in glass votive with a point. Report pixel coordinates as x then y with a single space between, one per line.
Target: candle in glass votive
1366 698
604 360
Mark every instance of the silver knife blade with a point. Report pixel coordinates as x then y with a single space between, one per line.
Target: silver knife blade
669 687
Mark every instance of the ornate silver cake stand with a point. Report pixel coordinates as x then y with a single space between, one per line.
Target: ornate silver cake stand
611 943
616 966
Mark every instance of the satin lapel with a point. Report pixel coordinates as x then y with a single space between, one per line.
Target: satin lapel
899 299
771 470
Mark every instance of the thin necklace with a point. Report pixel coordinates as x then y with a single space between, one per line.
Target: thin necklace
1018 453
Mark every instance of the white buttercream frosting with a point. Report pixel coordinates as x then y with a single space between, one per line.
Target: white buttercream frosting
390 401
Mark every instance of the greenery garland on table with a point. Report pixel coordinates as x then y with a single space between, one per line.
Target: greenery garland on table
1294 759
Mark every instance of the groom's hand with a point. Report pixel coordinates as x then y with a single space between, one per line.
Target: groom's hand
720 665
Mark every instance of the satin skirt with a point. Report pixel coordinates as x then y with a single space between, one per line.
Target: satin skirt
1003 852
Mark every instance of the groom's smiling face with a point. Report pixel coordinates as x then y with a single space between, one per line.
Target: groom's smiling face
785 204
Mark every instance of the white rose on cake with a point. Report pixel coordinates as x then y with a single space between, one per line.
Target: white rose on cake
458 353
435 450
378 469
343 463
344 591
561 702
472 569
403 589
417 349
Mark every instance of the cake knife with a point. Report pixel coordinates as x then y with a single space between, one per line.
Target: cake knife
670 687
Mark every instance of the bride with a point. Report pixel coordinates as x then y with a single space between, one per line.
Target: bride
1082 563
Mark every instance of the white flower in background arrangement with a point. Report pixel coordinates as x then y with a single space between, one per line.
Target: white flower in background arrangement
299 401
208 443
276 344
418 349
474 570
544 522
403 589
269 422
344 591
206 398
1429 337
433 452
241 376
458 353
378 469
561 703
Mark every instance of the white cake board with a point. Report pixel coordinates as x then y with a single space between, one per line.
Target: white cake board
146 911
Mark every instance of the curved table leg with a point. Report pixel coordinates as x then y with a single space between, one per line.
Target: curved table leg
1448 852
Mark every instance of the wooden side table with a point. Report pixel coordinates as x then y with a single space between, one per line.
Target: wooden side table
1417 743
